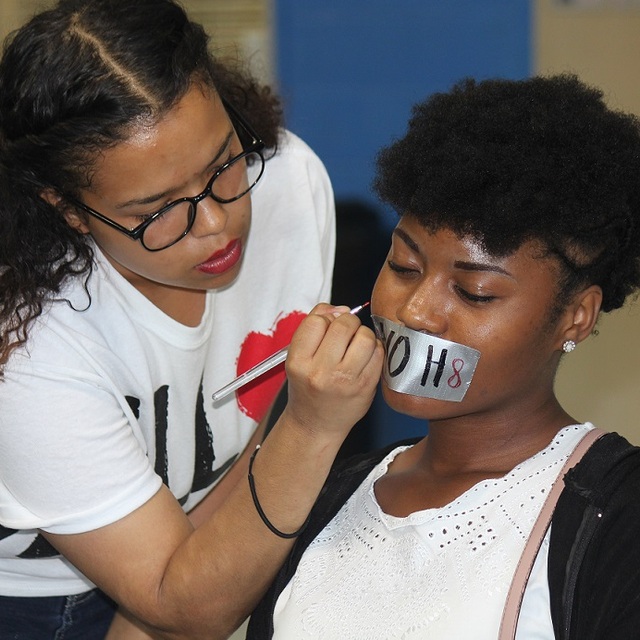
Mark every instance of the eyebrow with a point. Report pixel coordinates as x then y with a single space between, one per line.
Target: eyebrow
159 196
480 266
406 238
464 265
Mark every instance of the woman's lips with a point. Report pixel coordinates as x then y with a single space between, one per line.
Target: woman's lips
222 261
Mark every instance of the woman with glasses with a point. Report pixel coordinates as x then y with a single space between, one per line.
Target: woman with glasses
161 233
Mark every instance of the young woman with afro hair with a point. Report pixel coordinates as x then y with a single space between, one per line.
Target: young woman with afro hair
519 207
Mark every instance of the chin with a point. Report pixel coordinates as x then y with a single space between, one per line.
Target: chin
412 406
420 407
224 280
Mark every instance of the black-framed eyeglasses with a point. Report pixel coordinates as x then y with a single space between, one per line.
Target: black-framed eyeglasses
229 183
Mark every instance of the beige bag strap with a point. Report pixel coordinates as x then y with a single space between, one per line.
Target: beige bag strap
525 565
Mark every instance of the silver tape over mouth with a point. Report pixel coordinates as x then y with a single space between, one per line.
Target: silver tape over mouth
422 365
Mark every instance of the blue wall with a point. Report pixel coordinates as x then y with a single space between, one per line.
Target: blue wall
349 71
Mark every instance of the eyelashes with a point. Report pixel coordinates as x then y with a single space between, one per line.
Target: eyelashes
461 291
472 297
398 269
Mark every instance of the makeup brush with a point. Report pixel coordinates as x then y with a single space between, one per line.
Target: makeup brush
262 367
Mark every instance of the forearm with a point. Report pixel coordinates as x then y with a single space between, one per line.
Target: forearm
124 627
289 472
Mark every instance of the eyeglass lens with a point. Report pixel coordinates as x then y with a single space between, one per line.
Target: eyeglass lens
229 185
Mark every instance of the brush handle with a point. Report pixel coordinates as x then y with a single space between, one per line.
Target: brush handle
253 373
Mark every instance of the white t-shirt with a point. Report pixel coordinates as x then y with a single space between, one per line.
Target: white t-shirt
440 574
112 398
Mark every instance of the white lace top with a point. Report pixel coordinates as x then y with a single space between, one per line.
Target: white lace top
441 574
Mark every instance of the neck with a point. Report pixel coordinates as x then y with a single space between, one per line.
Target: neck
459 453
492 444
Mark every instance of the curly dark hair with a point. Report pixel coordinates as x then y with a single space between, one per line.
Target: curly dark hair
510 161
73 81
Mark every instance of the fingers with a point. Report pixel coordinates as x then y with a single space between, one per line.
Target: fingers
333 366
324 308
314 330
317 328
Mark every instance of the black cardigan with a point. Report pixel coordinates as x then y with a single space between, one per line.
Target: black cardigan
594 553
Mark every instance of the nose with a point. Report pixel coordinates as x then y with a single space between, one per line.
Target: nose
424 309
211 217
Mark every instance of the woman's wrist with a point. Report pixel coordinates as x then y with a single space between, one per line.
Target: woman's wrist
287 474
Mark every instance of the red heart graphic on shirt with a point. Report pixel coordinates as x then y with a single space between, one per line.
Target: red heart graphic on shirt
255 398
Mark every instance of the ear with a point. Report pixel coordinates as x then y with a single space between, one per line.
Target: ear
582 315
74 219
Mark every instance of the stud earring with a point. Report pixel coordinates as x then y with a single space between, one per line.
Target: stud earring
568 346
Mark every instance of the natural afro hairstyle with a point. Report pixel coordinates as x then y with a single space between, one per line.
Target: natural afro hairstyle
510 161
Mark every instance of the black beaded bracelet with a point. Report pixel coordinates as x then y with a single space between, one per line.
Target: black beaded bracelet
261 513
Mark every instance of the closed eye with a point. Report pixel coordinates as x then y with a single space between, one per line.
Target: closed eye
214 167
211 170
472 297
142 217
394 266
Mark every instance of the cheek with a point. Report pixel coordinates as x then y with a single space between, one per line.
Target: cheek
381 295
244 218
131 255
118 245
508 360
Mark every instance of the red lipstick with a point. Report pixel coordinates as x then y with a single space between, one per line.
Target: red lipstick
223 260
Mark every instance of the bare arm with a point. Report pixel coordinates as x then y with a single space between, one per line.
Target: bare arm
202 583
124 626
